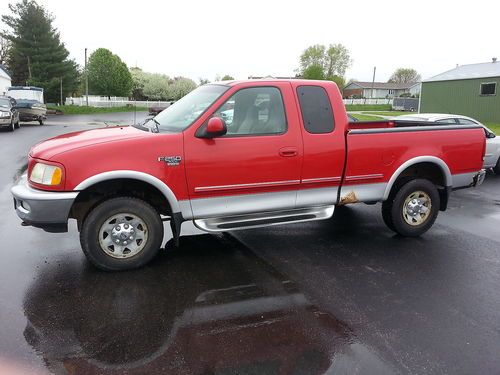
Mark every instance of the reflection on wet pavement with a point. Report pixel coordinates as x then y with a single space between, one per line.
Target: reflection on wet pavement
211 308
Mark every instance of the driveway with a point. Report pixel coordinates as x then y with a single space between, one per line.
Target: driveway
340 296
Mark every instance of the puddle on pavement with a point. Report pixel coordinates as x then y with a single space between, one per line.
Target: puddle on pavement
212 307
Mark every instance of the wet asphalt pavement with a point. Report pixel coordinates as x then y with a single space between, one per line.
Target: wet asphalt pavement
341 296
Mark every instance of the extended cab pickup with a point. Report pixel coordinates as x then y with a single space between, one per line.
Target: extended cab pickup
237 155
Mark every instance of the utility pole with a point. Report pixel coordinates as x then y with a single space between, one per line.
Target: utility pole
373 80
86 80
61 93
29 68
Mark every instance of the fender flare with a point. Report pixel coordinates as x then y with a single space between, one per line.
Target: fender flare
419 159
133 175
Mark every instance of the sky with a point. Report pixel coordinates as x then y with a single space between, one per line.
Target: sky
202 39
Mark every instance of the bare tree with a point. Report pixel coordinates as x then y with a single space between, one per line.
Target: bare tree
405 75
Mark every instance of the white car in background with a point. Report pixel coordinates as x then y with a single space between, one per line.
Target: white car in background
492 156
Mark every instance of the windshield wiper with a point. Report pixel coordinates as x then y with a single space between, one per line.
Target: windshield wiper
143 126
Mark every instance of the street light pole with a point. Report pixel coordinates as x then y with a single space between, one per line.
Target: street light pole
86 80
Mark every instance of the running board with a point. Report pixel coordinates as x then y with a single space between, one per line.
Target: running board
263 219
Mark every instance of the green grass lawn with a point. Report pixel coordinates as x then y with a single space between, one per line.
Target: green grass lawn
368 107
363 117
495 127
388 113
83 110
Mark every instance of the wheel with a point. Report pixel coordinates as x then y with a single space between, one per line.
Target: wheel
40 121
412 209
121 233
496 168
12 126
18 124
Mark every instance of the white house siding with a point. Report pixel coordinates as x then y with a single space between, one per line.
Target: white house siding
4 82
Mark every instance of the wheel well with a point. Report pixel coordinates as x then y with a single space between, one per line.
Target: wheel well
93 195
429 171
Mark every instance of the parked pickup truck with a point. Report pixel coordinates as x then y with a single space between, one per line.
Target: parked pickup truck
287 154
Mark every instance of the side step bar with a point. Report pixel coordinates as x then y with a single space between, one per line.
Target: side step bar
264 219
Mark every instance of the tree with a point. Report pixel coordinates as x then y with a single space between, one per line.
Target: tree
5 46
180 87
156 86
405 75
203 81
108 74
227 77
333 60
37 56
314 71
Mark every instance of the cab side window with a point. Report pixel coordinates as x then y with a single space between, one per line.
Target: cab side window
317 113
254 111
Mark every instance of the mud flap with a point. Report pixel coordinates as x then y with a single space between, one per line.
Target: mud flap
175 225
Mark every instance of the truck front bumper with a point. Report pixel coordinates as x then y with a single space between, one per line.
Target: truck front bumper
42 209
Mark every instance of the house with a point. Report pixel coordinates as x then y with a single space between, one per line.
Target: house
470 90
378 89
5 81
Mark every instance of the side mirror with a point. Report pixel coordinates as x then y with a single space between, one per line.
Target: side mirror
490 135
216 127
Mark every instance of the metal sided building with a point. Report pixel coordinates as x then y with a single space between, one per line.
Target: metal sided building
471 90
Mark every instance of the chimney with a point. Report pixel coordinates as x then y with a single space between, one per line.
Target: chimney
494 59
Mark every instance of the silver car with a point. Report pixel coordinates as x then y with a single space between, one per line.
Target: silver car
9 116
492 156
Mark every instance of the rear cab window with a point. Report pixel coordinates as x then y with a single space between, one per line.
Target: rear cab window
316 109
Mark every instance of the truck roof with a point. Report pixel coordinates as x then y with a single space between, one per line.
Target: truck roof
274 80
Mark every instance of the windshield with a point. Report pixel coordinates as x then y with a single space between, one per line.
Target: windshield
4 103
185 111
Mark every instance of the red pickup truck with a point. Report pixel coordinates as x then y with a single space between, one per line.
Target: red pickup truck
241 154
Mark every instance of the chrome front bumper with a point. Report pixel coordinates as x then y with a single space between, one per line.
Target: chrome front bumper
479 177
42 209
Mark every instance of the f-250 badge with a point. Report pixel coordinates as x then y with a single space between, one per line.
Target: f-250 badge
172 161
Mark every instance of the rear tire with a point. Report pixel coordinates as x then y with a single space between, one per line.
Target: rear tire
121 234
496 168
412 209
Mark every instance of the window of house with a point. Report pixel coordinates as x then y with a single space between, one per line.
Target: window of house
254 111
488 88
317 113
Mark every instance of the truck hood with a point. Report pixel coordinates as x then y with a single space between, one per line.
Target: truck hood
70 141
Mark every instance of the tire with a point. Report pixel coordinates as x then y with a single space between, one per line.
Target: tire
18 124
418 194
12 126
132 217
496 168
40 121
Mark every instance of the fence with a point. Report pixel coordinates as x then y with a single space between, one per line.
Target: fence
368 101
114 101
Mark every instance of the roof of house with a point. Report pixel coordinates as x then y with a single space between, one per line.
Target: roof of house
382 85
4 69
470 71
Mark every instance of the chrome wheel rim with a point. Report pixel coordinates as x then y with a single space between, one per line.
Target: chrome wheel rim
417 208
123 235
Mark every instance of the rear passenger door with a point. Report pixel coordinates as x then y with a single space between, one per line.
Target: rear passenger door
323 142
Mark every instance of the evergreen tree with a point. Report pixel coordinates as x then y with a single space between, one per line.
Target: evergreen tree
37 56
108 74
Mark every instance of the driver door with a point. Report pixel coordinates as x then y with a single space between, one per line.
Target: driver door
255 167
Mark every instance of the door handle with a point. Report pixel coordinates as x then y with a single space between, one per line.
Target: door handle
288 151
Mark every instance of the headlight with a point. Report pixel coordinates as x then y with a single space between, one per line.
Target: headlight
4 114
46 174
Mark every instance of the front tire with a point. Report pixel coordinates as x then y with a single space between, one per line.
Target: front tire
121 234
40 121
413 209
12 126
